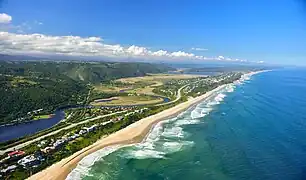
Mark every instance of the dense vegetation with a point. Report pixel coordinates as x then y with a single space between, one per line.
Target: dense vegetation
22 95
28 86
94 72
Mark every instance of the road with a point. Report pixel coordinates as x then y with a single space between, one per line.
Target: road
19 146
178 97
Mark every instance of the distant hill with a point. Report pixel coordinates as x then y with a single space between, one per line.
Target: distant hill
89 72
7 57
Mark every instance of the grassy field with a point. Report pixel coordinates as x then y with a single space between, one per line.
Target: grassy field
45 116
21 80
146 90
110 88
141 86
155 78
130 100
152 81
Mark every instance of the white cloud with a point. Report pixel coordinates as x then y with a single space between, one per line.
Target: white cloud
160 53
199 49
38 22
220 58
5 18
85 46
181 54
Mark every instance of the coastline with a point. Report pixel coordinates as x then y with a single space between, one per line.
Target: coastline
134 133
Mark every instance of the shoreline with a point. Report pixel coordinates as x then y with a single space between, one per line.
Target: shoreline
132 134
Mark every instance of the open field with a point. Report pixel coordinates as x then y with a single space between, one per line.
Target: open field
136 87
21 80
152 81
130 100
156 78
146 90
110 89
45 116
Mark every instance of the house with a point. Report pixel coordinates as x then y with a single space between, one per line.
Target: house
82 131
73 137
117 119
8 169
91 128
58 143
29 160
47 149
15 154
42 143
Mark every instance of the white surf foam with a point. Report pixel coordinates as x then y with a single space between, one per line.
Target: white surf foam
187 122
171 147
158 152
144 153
84 165
174 132
155 133
220 97
196 113
230 88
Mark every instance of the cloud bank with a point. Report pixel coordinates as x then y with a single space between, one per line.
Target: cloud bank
83 46
87 46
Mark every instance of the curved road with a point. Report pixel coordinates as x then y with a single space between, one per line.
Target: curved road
178 97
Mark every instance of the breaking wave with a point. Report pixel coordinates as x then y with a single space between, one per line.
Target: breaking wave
85 164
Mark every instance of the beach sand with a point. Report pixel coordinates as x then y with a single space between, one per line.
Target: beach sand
133 133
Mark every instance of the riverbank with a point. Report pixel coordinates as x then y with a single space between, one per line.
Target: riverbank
132 134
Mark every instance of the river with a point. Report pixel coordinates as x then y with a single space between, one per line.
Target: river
20 130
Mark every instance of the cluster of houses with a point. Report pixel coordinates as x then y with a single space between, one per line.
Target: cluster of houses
26 118
35 112
11 156
26 162
136 111
55 144
167 91
35 159
107 110
32 160
180 82
117 108
8 169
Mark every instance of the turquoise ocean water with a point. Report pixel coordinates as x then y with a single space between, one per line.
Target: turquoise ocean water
250 130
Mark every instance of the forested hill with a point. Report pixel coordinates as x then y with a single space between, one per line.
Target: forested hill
28 86
94 72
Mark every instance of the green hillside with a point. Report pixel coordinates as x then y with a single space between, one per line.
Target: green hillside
27 86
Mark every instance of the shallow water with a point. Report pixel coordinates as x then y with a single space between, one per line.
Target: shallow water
251 130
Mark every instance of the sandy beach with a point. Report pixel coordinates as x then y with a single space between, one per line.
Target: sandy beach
134 133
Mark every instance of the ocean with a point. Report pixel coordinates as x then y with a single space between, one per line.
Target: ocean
253 129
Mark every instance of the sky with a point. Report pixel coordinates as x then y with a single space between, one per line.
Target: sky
258 31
